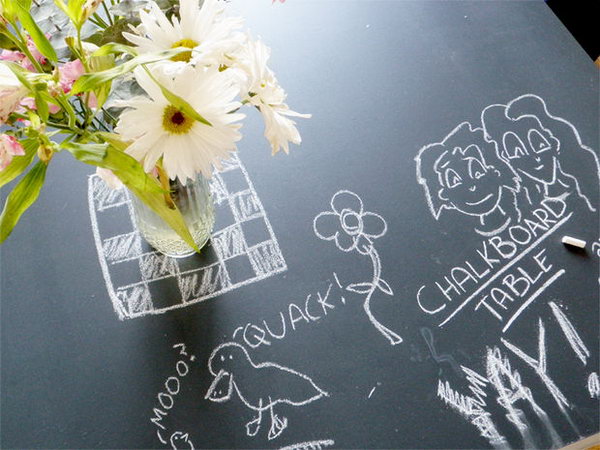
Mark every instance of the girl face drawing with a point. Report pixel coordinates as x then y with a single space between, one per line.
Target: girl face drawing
531 153
468 182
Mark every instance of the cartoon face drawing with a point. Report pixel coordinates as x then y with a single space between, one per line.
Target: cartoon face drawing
467 181
531 150
544 150
464 173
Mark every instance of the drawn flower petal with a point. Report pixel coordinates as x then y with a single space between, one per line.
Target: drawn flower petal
346 200
374 225
345 242
326 225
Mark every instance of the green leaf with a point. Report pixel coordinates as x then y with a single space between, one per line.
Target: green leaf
41 106
114 48
40 41
22 197
87 153
132 175
97 64
113 139
90 81
114 33
19 163
178 102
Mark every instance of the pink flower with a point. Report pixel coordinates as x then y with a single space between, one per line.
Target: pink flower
35 53
9 55
29 102
280 1
69 73
9 147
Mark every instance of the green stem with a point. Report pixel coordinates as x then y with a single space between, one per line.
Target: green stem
60 126
97 17
110 19
21 43
164 182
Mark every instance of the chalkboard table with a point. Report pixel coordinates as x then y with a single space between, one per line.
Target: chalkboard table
397 281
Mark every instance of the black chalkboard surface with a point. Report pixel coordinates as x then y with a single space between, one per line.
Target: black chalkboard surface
398 281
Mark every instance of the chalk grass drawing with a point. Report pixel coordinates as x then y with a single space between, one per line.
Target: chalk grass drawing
236 261
181 441
520 155
511 391
540 368
310 445
473 407
570 333
352 228
261 387
593 385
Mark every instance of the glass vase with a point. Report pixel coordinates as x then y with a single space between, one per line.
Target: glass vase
196 206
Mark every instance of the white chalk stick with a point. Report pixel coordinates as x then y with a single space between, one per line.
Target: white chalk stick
573 241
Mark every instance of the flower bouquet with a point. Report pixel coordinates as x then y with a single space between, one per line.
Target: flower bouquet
148 92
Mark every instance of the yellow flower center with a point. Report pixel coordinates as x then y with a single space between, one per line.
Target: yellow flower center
175 121
184 56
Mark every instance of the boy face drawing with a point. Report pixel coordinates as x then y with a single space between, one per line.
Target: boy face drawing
467 182
465 173
531 153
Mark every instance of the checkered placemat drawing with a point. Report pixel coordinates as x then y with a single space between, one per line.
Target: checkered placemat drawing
243 249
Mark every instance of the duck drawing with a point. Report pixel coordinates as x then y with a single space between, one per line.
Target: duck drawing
261 387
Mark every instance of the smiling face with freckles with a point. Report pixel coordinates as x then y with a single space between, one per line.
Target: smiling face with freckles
467 182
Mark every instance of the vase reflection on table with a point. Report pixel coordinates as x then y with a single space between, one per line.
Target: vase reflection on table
194 201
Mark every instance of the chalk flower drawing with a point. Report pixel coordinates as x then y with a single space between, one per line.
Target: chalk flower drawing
354 229
261 387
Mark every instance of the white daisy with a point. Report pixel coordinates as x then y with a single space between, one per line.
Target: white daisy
205 31
158 129
262 90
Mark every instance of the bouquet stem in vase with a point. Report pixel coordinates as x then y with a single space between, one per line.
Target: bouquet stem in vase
194 201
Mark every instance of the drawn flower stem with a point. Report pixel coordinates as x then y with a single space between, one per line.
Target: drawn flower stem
375 285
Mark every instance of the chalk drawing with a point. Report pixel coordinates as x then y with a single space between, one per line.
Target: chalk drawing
571 334
596 248
352 228
512 262
373 389
464 173
518 155
540 368
473 408
444 357
181 441
533 296
261 387
510 389
236 261
545 151
593 385
310 445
